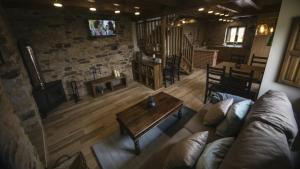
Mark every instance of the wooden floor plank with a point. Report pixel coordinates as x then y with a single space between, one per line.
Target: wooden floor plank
76 127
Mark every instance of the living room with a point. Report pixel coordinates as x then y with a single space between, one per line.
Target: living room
78 76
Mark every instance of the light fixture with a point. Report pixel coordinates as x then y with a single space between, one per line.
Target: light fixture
201 9
271 29
115 4
183 21
93 9
217 13
192 21
221 14
220 19
136 13
210 12
57 4
226 15
262 29
117 11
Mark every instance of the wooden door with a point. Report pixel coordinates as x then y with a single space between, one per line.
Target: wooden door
290 70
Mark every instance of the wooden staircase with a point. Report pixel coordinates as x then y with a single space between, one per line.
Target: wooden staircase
160 36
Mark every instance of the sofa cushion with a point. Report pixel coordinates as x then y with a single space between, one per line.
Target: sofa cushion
186 152
275 109
258 146
195 124
231 125
214 153
218 96
160 156
217 112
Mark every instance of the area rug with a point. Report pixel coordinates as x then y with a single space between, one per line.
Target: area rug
117 151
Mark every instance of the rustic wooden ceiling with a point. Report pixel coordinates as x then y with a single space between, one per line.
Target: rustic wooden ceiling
150 8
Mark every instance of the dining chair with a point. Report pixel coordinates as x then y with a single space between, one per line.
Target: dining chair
176 66
214 78
258 60
239 83
168 72
240 59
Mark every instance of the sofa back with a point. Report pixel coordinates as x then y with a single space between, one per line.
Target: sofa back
264 142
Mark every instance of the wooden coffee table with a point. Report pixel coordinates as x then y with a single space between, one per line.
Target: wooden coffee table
139 119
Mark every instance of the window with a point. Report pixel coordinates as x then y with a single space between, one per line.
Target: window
235 35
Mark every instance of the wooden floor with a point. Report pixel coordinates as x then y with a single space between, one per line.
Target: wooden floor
76 127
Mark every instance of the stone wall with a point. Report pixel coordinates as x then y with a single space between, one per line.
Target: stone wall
64 49
16 150
21 135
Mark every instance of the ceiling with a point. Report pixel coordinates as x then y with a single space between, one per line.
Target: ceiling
151 8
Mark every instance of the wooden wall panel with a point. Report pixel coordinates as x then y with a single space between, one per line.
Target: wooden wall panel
290 71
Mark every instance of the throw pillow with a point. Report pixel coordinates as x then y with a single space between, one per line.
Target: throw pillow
214 153
185 153
218 96
217 112
231 125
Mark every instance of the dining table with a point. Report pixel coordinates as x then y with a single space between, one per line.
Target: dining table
258 71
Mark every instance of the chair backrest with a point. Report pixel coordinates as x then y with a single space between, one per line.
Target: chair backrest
214 75
240 82
177 61
170 60
258 60
237 58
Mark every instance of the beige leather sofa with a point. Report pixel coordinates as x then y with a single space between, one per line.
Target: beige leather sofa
264 141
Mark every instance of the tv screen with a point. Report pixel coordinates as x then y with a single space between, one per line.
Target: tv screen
99 28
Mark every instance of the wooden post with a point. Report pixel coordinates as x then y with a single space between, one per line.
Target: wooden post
163 40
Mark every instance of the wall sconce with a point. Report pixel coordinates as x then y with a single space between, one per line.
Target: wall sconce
262 29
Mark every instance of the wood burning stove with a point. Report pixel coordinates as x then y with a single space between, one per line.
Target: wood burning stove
47 95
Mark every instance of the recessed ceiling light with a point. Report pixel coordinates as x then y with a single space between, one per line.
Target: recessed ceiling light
91 1
93 9
221 14
220 19
136 7
217 13
183 22
137 13
227 15
115 4
57 4
210 11
117 11
201 9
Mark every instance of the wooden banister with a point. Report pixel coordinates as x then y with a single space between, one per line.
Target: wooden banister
163 37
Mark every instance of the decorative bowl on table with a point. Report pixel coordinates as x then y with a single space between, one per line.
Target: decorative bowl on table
151 102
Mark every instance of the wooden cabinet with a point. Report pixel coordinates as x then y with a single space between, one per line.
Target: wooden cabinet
147 73
203 57
290 70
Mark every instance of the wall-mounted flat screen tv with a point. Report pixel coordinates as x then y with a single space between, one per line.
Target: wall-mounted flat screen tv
102 28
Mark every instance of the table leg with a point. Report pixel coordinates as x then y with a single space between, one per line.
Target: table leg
137 146
179 113
121 128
